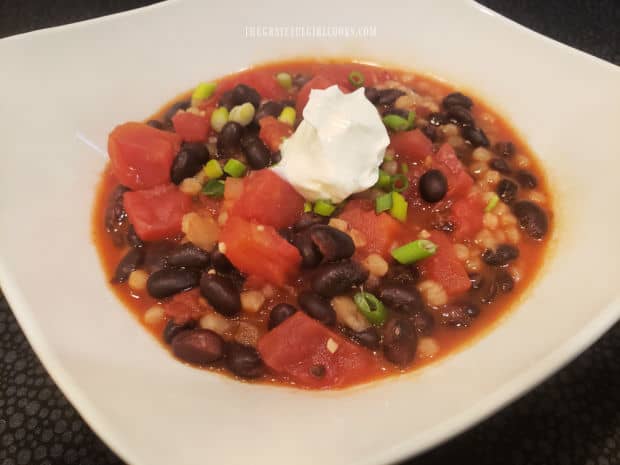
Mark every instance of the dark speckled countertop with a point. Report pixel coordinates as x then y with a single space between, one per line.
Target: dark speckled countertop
573 418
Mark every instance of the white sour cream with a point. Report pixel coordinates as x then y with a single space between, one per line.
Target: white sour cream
337 148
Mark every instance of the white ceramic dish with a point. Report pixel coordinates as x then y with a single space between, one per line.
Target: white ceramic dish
65 88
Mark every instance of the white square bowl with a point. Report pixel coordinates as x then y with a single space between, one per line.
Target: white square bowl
65 88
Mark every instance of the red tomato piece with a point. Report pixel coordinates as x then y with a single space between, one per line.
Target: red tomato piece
412 145
268 199
259 250
459 180
381 231
467 216
444 267
273 132
156 213
317 82
191 127
184 306
264 82
299 346
141 156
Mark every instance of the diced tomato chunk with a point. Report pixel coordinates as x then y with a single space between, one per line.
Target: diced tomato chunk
268 199
184 306
157 213
264 82
412 145
141 156
444 267
273 132
191 127
467 216
299 348
381 231
259 250
317 82
459 180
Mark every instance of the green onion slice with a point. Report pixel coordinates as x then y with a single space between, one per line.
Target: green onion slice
213 169
492 203
383 202
371 307
214 188
399 207
384 181
203 91
414 251
324 207
399 182
285 80
397 123
234 168
356 79
288 116
307 207
404 167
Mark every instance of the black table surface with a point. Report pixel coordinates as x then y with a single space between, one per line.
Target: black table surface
573 418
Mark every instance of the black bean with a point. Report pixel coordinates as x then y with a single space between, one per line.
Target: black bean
430 132
220 262
167 282
154 123
423 322
504 149
457 99
531 218
445 226
256 152
456 315
389 96
405 299
318 370
199 346
188 255
221 293
504 254
475 136
507 190
333 244
183 105
229 140
369 338
310 255
309 219
333 279
460 115
155 255
269 108
402 274
437 119
488 291
279 313
317 307
244 361
472 310
501 165
399 341
504 281
276 157
115 218
433 186
130 262
226 100
189 160
372 94
526 179
300 80
476 280
242 94
132 238
287 234
172 329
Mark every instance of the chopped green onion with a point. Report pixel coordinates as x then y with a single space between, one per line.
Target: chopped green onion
399 182
388 158
234 168
492 203
414 251
203 91
288 116
214 188
371 307
242 114
307 207
219 118
213 169
383 202
399 207
356 79
285 80
385 180
398 123
324 207
404 167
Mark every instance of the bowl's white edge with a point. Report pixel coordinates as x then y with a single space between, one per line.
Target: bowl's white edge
503 395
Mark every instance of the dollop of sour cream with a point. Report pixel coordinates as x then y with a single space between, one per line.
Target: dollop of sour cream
337 148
